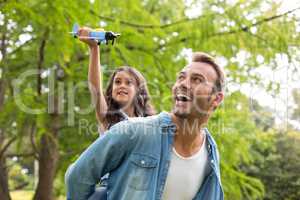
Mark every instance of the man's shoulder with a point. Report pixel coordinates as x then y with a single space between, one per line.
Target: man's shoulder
150 120
141 124
154 120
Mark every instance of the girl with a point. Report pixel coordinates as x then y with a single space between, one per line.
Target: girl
126 94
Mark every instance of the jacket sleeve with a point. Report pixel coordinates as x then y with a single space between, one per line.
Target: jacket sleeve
104 155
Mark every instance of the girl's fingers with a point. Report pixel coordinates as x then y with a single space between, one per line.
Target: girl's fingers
79 31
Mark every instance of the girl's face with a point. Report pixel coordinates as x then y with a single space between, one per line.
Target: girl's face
124 88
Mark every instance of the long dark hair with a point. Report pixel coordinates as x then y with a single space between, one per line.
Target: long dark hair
141 101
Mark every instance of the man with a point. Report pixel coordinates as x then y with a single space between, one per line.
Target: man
170 156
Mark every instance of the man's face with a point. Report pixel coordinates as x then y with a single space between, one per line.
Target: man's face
193 91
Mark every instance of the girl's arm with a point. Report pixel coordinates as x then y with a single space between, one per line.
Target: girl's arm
94 78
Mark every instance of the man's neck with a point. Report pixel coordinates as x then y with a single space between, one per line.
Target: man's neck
189 135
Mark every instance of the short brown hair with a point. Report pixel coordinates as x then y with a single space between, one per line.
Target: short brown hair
205 58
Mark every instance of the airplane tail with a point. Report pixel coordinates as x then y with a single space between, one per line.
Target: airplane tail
75 30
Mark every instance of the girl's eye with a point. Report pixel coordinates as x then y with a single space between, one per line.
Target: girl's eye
118 82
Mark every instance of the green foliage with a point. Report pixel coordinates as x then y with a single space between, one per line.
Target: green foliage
154 35
19 178
277 164
234 130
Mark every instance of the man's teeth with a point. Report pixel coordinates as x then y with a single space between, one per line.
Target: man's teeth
183 97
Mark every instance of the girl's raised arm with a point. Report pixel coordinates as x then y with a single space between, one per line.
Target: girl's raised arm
94 77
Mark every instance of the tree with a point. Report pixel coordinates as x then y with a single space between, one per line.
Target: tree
154 35
296 111
277 164
234 132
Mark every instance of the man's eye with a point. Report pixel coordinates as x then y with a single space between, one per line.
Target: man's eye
180 77
198 79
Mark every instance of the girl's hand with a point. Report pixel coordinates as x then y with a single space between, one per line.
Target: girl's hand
84 32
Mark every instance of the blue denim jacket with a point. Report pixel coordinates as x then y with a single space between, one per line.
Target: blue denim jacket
137 154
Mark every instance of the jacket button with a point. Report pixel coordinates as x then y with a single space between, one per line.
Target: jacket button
142 162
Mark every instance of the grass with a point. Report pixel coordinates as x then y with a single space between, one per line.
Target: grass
22 195
25 195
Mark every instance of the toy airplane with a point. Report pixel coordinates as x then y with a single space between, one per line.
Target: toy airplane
100 35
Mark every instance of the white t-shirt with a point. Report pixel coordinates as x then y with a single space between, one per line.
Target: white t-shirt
186 174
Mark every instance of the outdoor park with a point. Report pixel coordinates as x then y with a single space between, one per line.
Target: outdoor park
47 114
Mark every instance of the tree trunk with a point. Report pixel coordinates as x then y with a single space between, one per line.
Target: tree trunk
48 151
4 190
48 155
48 159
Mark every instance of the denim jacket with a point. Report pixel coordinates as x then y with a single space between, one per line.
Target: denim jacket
137 154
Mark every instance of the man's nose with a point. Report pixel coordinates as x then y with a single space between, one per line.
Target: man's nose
186 83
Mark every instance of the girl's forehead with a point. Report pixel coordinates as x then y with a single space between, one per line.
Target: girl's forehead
124 74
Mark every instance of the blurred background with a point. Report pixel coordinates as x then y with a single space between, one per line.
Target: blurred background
47 118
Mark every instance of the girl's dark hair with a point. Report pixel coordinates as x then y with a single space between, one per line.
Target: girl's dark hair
141 101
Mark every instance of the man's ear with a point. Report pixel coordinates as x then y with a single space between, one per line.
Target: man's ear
219 96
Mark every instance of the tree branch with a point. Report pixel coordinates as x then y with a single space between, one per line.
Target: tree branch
35 150
148 26
3 53
7 145
22 45
11 155
246 28
3 40
41 61
158 26
121 56
156 59
20 186
241 29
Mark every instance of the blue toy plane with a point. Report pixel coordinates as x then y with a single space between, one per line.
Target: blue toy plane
100 35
